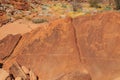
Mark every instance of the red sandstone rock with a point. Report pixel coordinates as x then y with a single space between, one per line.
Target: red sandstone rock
98 38
16 71
58 51
7 45
75 76
50 51
3 74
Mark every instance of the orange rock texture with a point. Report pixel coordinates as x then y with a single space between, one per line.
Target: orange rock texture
86 47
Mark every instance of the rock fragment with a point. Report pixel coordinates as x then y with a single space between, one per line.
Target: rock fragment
26 70
18 78
32 76
3 74
7 45
16 70
9 78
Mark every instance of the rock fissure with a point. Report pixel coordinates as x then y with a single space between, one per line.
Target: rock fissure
76 42
8 56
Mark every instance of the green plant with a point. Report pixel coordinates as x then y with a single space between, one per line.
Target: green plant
36 21
94 3
107 8
64 5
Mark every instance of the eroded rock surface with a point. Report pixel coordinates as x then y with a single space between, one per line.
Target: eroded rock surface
7 45
3 74
84 48
99 43
75 76
50 51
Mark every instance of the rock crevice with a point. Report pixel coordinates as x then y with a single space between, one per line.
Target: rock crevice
61 47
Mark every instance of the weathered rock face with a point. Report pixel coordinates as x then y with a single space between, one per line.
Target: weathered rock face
99 43
7 45
75 76
50 51
60 50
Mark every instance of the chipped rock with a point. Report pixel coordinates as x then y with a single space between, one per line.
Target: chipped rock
3 74
26 70
18 78
16 70
32 76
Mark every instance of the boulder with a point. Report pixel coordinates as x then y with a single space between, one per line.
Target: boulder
86 47
7 45
17 71
50 51
98 38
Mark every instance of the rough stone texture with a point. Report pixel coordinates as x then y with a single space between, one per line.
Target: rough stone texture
7 45
75 76
65 46
33 76
50 51
18 78
3 74
16 71
98 38
25 70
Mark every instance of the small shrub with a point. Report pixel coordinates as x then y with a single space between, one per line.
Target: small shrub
36 21
107 8
94 3
64 5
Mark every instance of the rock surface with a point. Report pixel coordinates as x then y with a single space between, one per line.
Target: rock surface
3 74
86 48
16 71
50 51
7 45
98 39
75 76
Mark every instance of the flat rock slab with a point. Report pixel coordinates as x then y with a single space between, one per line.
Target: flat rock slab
7 45
21 26
99 43
59 50
50 51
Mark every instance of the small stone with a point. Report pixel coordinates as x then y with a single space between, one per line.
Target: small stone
9 78
32 76
17 71
18 78
3 74
25 70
